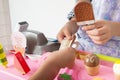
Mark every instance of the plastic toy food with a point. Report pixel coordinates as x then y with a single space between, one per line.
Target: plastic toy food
107 58
20 63
116 70
64 77
84 13
3 59
67 43
81 55
19 42
91 62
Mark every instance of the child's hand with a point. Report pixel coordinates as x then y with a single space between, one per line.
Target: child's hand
69 29
100 32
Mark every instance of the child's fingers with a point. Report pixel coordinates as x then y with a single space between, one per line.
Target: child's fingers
101 39
68 35
60 37
97 24
98 38
88 27
96 32
100 42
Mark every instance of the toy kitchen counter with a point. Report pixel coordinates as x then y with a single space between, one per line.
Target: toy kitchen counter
78 72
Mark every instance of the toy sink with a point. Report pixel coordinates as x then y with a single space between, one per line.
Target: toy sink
37 43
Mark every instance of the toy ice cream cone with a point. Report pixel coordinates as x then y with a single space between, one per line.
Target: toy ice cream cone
92 70
84 13
19 42
116 70
92 64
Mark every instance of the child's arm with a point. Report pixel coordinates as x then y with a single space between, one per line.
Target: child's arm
57 60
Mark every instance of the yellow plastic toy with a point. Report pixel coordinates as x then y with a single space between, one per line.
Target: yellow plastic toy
3 59
108 58
98 78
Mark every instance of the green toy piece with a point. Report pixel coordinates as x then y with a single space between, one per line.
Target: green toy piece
65 76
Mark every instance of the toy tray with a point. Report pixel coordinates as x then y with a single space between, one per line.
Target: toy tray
78 72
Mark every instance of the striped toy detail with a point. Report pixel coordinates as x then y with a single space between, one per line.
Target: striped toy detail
3 59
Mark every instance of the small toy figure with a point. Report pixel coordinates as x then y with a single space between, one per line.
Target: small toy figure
3 59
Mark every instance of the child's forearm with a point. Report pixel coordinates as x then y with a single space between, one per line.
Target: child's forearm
51 66
47 71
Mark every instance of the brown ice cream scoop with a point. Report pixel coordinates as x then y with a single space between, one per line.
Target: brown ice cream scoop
84 13
91 60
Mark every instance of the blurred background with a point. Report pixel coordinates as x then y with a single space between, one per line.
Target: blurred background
47 16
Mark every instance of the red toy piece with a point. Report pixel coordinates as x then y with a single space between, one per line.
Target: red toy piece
20 63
